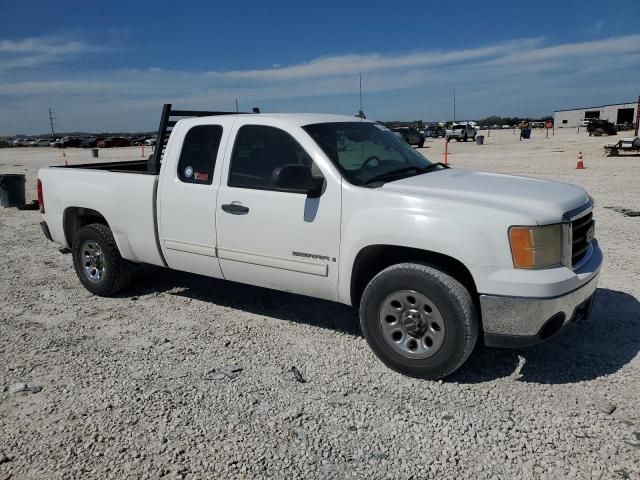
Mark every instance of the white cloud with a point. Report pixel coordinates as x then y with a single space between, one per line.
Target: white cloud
526 76
594 49
363 63
39 51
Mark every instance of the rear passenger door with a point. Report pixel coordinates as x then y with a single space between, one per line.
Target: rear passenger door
273 238
187 192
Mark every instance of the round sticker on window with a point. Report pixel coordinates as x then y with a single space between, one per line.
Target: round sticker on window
188 172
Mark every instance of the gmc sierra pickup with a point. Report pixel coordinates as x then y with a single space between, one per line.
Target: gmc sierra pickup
338 208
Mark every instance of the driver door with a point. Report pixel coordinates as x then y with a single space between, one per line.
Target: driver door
270 238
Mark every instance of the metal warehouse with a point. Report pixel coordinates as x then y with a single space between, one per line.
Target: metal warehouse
616 113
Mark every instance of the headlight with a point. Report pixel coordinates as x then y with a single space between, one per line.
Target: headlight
536 247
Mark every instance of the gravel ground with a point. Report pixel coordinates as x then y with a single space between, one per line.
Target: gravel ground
188 377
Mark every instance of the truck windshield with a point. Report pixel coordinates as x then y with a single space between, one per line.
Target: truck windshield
363 151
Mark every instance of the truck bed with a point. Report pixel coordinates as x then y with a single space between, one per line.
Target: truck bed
127 166
122 192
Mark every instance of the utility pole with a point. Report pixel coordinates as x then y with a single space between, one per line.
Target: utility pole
237 106
454 105
637 117
51 119
360 75
360 112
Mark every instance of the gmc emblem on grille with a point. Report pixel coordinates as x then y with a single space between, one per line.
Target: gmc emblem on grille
590 233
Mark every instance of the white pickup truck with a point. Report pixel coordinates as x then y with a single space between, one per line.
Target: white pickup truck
338 208
462 131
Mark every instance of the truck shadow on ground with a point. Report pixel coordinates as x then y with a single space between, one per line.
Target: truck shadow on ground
602 345
256 300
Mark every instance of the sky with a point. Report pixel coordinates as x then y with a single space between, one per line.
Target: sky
109 66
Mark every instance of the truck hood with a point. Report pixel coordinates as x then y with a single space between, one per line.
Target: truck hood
542 200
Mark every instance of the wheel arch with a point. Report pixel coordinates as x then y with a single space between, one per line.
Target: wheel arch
372 259
74 218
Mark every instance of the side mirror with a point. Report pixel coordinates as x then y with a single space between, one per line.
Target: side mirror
297 179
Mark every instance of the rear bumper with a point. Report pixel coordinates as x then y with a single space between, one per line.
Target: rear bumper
45 230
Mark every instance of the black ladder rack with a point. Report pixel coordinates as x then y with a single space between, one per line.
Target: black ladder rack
167 124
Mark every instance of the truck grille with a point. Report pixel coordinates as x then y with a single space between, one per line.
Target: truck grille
582 230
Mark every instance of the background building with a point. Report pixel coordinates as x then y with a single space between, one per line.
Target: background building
616 113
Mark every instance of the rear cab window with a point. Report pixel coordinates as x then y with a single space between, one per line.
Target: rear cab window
199 152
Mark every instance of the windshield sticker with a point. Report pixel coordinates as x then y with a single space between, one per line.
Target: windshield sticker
188 172
202 176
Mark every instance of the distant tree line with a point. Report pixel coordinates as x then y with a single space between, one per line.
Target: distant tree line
485 122
496 120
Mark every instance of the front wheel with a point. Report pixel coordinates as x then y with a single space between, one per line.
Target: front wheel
419 320
98 262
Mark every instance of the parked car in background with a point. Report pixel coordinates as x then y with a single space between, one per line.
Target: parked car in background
410 135
38 142
598 127
140 140
19 142
89 142
4 144
461 131
625 126
435 131
150 142
66 142
111 142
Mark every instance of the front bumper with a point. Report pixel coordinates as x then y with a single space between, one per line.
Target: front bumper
520 321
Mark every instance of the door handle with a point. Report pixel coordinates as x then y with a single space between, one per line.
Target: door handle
235 209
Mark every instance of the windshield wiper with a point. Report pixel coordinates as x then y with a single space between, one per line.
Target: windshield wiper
399 171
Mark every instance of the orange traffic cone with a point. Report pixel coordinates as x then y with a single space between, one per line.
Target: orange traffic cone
580 164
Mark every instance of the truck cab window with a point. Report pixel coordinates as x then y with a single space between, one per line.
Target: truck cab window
199 153
258 151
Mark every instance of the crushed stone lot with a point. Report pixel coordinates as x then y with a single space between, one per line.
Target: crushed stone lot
184 376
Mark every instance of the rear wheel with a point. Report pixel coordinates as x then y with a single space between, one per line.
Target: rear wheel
98 263
419 320
465 138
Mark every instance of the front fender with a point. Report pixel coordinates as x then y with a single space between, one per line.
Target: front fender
475 235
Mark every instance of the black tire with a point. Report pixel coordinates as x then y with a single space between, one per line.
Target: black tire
452 300
473 139
457 139
465 138
118 272
421 144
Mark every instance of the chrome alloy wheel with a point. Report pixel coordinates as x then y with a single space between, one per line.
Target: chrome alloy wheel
411 324
92 261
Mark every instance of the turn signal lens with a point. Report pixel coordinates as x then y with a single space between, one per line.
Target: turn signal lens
536 247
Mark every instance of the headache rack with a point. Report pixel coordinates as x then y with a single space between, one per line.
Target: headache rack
167 121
